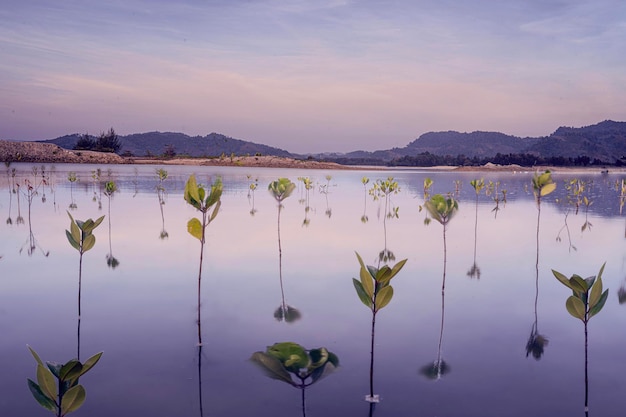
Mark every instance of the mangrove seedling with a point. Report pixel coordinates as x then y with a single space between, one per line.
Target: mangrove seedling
478 186
441 209
383 189
209 205
82 239
109 189
364 217
586 301
161 193
72 178
280 190
308 185
293 364
57 388
375 291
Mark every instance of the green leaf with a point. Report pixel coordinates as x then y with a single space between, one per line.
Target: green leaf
55 368
366 281
562 278
73 399
35 355
41 398
578 285
97 222
293 356
360 291
271 367
191 194
215 193
598 306
318 357
70 370
575 307
194 227
90 363
45 379
89 243
596 292
216 210
72 241
547 189
383 297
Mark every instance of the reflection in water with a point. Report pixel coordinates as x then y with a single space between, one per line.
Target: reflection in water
109 189
280 190
293 364
31 242
161 193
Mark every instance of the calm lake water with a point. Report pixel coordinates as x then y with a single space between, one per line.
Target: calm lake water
142 314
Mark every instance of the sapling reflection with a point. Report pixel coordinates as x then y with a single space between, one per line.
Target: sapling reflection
209 205
57 388
383 190
109 189
442 209
72 178
280 190
375 291
291 363
161 193
587 300
477 185
82 239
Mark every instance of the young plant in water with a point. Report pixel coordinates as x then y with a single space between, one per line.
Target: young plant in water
72 178
364 217
375 291
109 189
441 209
586 301
478 186
383 189
209 205
57 388
280 190
293 364
161 193
82 239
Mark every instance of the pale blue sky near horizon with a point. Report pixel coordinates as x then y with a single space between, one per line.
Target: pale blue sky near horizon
310 76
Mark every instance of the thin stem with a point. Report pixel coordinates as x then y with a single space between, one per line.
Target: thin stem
476 229
80 273
204 224
372 356
200 379
586 369
303 400
280 265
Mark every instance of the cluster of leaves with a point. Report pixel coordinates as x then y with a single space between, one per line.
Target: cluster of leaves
81 235
442 208
291 363
281 189
65 394
587 299
374 284
196 196
542 185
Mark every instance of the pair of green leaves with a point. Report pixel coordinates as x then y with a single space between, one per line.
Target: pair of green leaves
383 188
70 394
373 286
543 184
282 360
441 208
81 235
281 188
587 299
195 195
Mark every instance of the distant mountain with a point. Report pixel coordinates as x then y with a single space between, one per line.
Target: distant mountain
155 143
605 141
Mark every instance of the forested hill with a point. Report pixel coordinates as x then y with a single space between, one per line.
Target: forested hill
158 143
605 141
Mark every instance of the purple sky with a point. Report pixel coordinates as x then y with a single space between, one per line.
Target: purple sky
310 76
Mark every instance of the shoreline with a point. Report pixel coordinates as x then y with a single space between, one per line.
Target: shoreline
47 153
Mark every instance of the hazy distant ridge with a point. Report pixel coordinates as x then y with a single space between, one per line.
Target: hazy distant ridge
604 141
